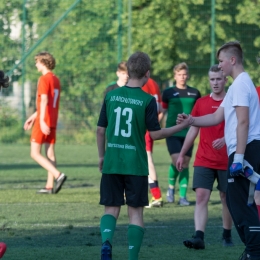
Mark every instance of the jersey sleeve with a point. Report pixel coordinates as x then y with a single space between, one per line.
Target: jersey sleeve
196 109
164 100
42 86
151 117
102 121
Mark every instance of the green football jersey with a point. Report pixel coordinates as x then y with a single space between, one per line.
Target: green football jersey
125 148
179 101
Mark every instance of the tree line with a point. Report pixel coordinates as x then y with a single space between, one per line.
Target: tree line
86 43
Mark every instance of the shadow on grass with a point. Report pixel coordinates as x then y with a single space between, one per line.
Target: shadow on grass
156 233
161 230
34 166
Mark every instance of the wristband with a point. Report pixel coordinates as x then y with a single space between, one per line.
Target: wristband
238 158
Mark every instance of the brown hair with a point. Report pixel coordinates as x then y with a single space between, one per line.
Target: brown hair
180 66
214 68
46 58
233 48
122 66
138 64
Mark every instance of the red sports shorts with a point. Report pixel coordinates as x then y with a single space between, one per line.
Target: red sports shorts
40 138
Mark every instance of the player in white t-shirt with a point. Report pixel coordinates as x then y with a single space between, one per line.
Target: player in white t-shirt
240 110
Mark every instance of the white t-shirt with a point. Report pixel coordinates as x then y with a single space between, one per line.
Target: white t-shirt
242 92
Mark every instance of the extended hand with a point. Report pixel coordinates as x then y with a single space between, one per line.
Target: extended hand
179 163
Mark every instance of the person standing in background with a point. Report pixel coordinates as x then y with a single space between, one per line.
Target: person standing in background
153 89
179 98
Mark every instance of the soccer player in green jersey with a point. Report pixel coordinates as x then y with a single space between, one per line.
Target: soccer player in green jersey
126 114
179 98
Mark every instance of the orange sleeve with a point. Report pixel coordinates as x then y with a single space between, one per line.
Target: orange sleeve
42 86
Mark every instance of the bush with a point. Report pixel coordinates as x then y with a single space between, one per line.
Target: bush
10 124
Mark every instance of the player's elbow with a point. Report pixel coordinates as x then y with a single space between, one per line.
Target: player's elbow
155 135
100 131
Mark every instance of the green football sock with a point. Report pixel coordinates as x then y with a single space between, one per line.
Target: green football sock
183 181
173 175
107 227
135 236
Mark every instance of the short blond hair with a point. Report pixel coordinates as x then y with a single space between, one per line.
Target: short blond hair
181 66
46 58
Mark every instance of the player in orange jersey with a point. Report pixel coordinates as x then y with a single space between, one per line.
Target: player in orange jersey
45 122
152 88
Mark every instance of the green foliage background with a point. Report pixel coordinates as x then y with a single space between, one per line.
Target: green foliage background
86 45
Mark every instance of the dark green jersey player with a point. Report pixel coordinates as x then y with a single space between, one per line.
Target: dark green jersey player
126 114
126 110
176 100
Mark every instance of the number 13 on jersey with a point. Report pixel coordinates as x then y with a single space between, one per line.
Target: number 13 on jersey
126 114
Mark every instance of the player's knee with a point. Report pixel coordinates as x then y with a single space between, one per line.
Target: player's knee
201 198
51 157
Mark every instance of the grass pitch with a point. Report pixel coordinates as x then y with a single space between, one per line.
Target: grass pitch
65 226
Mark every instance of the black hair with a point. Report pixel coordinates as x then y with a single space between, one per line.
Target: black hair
4 80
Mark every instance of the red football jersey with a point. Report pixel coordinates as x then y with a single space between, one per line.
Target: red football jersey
153 89
49 85
206 155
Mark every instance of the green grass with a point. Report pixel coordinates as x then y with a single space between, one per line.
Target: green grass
66 226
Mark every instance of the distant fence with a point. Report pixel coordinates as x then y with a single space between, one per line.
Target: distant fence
89 37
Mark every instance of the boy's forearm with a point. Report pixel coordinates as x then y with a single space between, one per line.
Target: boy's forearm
101 138
189 139
166 132
242 135
43 105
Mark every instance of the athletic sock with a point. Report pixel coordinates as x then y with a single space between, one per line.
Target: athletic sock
173 174
183 181
226 233
107 227
155 190
199 234
135 236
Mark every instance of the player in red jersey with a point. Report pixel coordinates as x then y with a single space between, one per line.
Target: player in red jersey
152 88
45 122
210 163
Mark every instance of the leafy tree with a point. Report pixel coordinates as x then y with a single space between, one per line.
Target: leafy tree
85 44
